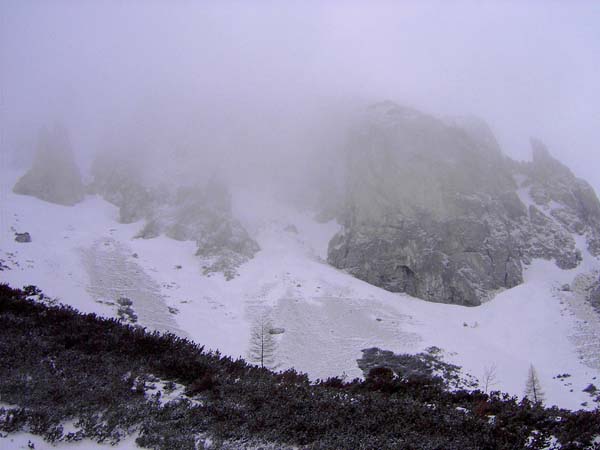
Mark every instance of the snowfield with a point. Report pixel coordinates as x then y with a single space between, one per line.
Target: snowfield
82 256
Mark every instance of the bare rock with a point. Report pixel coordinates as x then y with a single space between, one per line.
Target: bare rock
433 209
22 237
200 213
54 176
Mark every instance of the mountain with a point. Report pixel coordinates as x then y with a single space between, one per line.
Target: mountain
130 249
434 209
185 213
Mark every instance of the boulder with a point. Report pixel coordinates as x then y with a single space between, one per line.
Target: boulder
22 237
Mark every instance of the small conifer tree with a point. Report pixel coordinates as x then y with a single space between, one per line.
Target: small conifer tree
533 388
262 341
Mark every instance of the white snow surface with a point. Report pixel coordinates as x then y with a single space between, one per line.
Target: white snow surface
26 441
84 257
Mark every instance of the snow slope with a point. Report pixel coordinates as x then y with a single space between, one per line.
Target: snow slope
84 257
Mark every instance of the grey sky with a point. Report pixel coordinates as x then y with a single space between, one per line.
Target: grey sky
265 72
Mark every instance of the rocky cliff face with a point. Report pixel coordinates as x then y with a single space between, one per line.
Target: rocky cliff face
54 177
194 213
120 180
434 209
204 215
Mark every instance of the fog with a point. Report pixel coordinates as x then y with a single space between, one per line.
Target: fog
264 90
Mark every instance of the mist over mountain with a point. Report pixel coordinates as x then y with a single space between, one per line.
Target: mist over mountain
429 207
54 175
403 193
437 211
251 86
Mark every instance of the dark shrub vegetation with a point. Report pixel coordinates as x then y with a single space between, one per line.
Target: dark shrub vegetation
57 364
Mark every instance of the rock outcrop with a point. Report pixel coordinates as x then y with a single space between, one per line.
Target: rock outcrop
434 209
22 237
54 176
118 179
204 215
569 201
194 213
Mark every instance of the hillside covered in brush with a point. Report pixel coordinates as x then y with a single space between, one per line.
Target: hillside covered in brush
111 380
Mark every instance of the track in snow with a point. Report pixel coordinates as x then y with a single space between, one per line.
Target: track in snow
325 333
113 274
586 333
